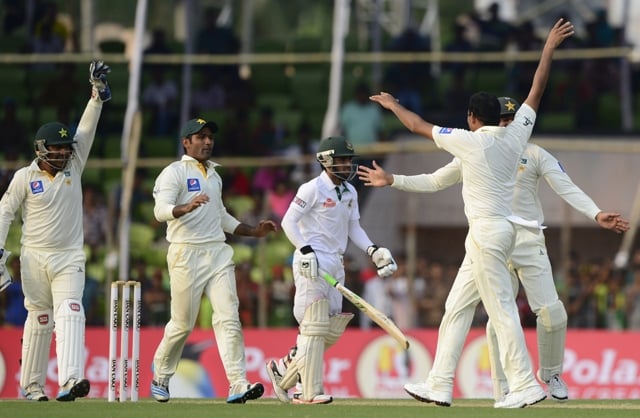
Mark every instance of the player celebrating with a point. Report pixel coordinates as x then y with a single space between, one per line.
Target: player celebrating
321 219
188 196
52 258
488 156
529 261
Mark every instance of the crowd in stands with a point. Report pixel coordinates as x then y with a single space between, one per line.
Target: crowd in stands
595 294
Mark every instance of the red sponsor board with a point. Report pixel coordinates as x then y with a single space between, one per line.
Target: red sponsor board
370 364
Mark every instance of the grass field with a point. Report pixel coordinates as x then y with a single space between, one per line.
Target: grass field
344 408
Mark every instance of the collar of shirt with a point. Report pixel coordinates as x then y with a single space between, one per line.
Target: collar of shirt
210 164
326 181
490 128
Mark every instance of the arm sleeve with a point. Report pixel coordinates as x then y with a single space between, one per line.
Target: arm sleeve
228 222
440 179
9 204
86 132
564 187
289 225
165 193
358 235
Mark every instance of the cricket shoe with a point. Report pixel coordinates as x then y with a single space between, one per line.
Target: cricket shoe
557 388
423 392
522 398
160 390
243 392
276 377
35 392
74 388
317 400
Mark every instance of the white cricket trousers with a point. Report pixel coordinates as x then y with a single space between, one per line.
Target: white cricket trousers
489 244
195 270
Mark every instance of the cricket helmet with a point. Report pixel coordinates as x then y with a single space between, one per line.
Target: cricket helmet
337 146
54 133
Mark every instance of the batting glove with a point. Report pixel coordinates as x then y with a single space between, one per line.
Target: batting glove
308 263
98 71
5 277
383 260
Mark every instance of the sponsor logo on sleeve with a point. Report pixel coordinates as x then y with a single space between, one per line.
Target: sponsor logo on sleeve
446 130
36 187
193 185
299 202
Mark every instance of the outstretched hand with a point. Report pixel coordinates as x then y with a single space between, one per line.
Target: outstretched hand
375 176
612 221
384 99
558 33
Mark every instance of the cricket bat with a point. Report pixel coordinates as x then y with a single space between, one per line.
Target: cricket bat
365 307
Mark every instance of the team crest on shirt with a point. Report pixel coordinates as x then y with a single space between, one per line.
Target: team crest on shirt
446 130
523 163
299 202
329 203
36 187
193 185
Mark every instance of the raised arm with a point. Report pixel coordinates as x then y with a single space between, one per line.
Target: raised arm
410 120
559 32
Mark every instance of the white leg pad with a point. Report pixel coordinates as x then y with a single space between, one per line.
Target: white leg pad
552 334
500 385
308 360
36 342
70 340
337 324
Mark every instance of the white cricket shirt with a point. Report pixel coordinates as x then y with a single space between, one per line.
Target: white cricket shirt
325 219
52 206
489 157
176 185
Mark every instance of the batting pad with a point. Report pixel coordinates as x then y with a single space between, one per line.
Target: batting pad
36 341
70 340
551 330
337 325
308 360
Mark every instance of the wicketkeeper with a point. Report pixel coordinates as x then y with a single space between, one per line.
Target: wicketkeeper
52 257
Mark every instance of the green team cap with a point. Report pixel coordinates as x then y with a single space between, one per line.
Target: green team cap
196 125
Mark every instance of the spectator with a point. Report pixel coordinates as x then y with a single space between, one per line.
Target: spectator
160 98
212 38
281 296
247 295
95 220
210 95
494 32
459 43
14 133
399 292
279 199
91 301
265 138
156 300
55 93
158 46
361 119
409 79
374 292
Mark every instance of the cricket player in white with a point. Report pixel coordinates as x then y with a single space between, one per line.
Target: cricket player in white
188 196
52 258
321 219
489 157
529 263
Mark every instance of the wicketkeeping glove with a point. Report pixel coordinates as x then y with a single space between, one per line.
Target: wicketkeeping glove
98 71
308 263
383 260
5 277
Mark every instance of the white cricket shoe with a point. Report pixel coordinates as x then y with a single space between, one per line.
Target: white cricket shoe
558 389
243 392
275 375
317 400
423 392
35 392
522 398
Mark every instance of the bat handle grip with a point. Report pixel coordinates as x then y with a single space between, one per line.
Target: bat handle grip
333 282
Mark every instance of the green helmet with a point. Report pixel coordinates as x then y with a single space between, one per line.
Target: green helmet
54 133
508 106
337 146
